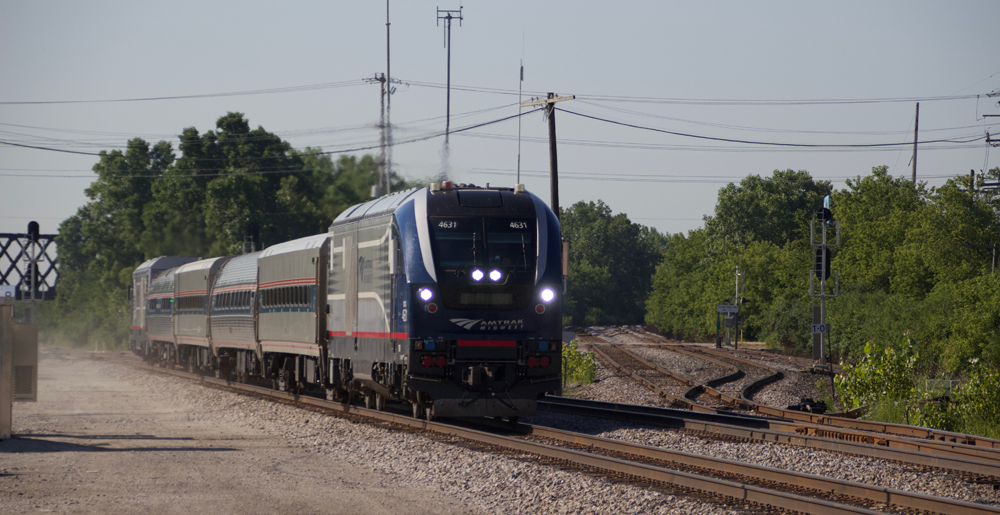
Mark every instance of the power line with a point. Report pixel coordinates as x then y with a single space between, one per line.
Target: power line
768 143
706 101
29 139
696 148
768 129
290 89
653 177
339 151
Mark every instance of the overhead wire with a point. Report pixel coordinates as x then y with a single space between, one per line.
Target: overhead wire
767 143
764 129
267 91
266 171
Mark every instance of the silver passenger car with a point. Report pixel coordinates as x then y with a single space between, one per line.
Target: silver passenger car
142 283
291 316
191 311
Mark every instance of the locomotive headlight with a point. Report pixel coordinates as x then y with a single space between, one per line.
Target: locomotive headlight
425 294
548 295
477 275
495 275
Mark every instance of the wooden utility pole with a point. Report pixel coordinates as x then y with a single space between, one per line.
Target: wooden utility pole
916 124
550 111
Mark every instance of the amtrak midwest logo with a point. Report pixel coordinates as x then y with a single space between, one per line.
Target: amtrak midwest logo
489 325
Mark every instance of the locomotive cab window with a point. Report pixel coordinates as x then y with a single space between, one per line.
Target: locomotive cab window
485 262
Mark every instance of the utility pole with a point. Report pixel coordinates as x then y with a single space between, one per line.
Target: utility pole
448 15
550 112
385 124
386 130
916 125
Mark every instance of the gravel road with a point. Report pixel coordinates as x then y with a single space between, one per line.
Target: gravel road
113 440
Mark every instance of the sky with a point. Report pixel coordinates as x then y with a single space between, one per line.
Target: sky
654 82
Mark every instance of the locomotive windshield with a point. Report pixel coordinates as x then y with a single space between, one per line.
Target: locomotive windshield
507 243
484 262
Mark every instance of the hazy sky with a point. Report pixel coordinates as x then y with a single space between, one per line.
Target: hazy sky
718 69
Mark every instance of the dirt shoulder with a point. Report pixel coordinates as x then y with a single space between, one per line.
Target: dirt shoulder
96 443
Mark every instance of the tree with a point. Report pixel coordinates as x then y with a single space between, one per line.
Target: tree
147 203
610 266
875 214
773 209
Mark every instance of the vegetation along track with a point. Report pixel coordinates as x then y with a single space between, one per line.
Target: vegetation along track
760 488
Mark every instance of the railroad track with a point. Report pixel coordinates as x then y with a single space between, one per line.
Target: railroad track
755 428
824 427
987 448
950 442
762 488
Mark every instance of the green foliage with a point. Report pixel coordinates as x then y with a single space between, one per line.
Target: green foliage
772 209
883 374
977 401
611 262
146 202
579 368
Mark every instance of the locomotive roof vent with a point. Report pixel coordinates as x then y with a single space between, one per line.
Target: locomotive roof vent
480 198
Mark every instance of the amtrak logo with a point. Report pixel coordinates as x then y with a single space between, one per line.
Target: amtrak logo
490 325
466 323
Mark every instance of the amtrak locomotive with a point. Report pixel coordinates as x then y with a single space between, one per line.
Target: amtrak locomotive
444 297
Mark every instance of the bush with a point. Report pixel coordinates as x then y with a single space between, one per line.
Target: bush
977 401
881 375
579 368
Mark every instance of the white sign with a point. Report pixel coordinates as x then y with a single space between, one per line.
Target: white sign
821 328
726 308
8 291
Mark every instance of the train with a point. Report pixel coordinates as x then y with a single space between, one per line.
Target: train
445 297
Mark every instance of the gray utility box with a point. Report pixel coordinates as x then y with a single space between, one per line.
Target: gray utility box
25 361
18 364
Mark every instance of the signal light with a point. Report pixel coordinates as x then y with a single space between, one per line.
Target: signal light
545 361
432 308
440 361
427 361
548 295
425 294
495 275
532 362
477 275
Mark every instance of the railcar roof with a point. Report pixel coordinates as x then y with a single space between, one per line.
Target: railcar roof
309 242
164 262
204 264
386 205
